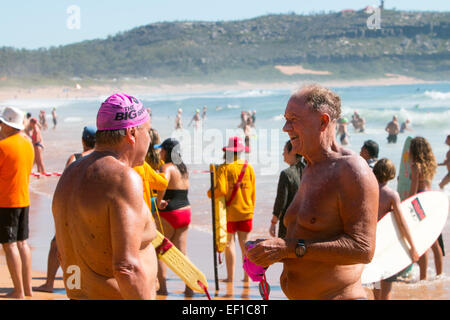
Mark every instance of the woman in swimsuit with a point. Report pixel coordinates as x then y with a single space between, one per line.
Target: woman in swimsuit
36 139
423 169
173 204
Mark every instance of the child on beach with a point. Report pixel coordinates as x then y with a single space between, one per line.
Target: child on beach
384 171
423 169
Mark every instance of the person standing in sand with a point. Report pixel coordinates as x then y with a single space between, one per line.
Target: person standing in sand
393 129
103 227
423 168
173 204
88 142
384 171
36 139
287 188
236 182
16 162
331 223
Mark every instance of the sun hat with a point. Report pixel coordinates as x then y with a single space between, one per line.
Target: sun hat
12 117
121 111
235 145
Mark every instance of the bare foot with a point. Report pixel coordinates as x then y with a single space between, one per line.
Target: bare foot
188 292
226 280
44 288
14 295
162 292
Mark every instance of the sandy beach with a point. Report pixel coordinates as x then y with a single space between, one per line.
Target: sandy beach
80 91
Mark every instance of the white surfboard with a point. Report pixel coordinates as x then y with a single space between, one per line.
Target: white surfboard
425 214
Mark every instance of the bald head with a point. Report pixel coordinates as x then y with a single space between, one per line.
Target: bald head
320 99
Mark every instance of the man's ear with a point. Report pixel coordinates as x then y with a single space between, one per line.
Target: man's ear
130 135
324 121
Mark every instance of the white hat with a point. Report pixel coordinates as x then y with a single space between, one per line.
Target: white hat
12 117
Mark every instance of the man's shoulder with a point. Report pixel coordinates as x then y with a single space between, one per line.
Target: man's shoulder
16 141
353 164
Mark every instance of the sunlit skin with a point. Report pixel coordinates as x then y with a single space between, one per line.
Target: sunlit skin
334 211
103 225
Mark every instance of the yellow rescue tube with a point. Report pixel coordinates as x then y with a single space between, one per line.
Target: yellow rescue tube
179 263
220 217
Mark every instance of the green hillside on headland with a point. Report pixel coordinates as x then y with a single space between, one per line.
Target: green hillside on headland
414 44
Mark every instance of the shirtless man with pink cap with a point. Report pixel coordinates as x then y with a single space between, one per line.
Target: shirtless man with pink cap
104 229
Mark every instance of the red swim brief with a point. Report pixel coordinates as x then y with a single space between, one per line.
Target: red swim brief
178 218
244 226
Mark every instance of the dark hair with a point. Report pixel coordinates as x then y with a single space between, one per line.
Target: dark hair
288 146
372 148
173 155
384 170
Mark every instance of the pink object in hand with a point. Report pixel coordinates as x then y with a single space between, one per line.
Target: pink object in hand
255 272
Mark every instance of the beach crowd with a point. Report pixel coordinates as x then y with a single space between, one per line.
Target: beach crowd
127 184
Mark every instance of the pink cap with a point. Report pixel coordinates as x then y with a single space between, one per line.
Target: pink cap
121 111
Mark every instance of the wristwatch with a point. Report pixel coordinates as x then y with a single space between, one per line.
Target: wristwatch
300 249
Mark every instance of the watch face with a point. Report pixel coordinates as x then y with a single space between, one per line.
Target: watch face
300 249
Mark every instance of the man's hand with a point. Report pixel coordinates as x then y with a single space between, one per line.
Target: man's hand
266 252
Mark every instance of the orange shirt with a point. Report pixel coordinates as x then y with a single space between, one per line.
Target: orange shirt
243 204
16 162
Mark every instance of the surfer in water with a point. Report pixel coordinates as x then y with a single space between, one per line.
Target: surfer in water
384 171
393 129
423 168
331 222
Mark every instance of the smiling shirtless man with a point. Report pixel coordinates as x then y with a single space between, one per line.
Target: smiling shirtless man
103 226
331 222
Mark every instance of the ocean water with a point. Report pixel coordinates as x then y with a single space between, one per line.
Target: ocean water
426 105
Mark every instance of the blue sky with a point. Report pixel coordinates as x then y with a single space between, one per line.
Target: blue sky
43 23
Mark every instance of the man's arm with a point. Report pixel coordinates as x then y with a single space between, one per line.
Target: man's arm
127 221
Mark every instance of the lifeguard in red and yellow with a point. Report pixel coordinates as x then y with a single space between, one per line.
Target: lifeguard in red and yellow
236 182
